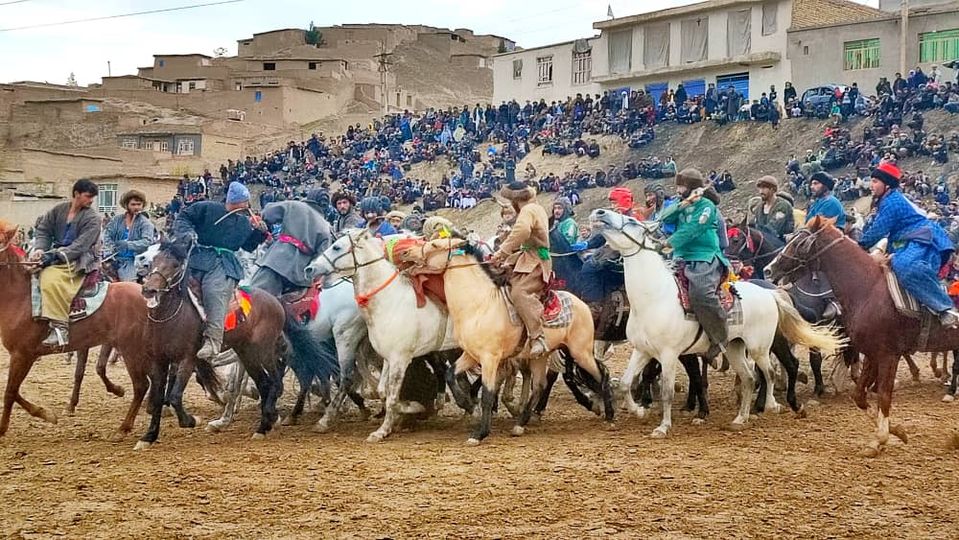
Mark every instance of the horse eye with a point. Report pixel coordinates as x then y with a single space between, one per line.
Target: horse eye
336 248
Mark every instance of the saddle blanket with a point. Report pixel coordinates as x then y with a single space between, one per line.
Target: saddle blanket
237 312
424 285
88 300
302 306
557 309
906 304
725 291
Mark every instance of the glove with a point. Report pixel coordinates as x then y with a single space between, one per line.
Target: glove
579 246
49 258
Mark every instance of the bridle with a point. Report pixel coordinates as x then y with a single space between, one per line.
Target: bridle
641 245
804 241
753 252
352 253
170 283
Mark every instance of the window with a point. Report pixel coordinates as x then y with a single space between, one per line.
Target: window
582 66
311 65
544 70
621 51
862 54
939 46
269 66
518 69
185 147
160 63
129 143
107 198
805 50
238 86
769 19
258 96
192 85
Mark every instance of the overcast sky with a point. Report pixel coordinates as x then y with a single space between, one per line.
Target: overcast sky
52 53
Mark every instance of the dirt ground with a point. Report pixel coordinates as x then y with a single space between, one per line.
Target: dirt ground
568 477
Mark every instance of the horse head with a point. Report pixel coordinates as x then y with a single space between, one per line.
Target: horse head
8 239
354 249
143 261
167 271
803 249
625 234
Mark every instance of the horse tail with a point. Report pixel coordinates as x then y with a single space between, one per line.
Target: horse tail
797 330
207 376
309 357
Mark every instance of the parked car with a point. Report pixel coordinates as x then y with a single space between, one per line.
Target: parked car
817 101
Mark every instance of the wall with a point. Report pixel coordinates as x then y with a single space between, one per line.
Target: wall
24 212
274 41
527 87
60 168
823 63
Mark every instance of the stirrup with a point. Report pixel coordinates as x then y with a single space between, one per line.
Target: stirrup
58 337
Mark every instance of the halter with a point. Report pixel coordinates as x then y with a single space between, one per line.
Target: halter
179 275
806 240
352 252
754 251
640 245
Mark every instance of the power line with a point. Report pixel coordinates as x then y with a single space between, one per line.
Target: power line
13 2
91 19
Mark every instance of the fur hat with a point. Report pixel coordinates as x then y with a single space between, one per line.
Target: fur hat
395 214
888 174
711 195
318 196
132 194
824 179
517 192
342 195
691 178
768 181
434 224
238 193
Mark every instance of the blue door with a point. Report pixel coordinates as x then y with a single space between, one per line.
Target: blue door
695 87
739 81
656 90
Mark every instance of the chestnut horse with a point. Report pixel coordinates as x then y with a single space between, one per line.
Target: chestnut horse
874 325
120 321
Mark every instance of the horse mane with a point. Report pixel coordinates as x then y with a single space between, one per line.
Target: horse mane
498 279
853 256
176 250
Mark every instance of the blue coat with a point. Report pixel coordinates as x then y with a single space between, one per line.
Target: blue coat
902 222
828 206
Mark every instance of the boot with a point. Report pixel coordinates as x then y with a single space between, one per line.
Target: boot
59 335
949 319
712 354
209 350
538 347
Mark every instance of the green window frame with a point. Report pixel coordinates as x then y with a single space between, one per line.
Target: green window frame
861 54
939 46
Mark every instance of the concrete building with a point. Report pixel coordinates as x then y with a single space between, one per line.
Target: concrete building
863 51
551 72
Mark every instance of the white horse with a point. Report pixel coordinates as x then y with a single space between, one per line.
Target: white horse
398 330
658 328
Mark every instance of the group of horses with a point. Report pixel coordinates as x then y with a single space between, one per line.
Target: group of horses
405 320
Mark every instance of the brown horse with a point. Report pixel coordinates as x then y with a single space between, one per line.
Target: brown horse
258 341
119 321
874 325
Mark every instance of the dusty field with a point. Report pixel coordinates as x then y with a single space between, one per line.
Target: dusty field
566 478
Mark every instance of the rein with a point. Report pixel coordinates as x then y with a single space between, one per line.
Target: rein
804 260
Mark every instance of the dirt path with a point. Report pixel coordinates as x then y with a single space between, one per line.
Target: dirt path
567 478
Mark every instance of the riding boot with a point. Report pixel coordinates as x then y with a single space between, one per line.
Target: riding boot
949 319
209 350
59 335
538 346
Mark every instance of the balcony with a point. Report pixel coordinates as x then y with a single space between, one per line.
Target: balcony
766 57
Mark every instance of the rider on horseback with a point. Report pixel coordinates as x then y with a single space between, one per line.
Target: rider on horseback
696 241
919 246
593 290
218 231
66 251
526 249
346 216
301 234
373 211
129 234
824 203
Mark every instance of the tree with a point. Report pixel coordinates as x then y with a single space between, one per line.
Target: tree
314 36
72 80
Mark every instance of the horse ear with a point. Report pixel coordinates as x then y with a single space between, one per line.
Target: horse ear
830 221
815 223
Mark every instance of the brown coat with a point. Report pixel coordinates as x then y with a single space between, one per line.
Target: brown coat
529 233
82 252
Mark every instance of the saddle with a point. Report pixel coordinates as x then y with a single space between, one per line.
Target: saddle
302 306
423 284
237 312
726 292
89 298
557 308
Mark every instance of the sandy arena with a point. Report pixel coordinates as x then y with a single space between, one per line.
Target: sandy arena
568 477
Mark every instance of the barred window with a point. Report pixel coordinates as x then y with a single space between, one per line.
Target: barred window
518 68
107 198
862 54
939 46
544 68
582 67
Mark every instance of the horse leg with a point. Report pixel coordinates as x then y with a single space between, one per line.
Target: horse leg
78 372
231 395
695 395
953 377
509 384
647 380
637 363
19 368
571 380
175 392
102 359
934 364
815 364
913 368
459 386
391 382
158 382
599 376
551 377
347 381
885 371
538 370
763 389
791 364
765 367
269 383
704 390
667 389
491 388
136 369
736 353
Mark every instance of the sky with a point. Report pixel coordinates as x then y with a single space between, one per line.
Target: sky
52 53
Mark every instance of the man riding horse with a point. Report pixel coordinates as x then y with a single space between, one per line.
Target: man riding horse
696 241
526 250
300 234
66 251
918 245
129 234
218 231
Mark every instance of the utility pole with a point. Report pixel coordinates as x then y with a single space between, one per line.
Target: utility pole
385 61
903 32
109 73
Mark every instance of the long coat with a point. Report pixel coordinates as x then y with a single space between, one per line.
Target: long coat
81 252
527 246
304 234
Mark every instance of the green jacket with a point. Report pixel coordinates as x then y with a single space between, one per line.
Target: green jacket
696 238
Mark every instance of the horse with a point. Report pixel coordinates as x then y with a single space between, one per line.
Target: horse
259 341
753 247
874 325
120 321
398 330
489 338
658 327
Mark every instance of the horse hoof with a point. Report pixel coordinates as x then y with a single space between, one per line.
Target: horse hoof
899 433
948 398
801 413
699 421
321 427
117 391
117 437
166 412
658 433
258 436
611 426
472 442
374 437
518 431
640 412
47 416
737 426
871 451
753 417
192 422
70 412
776 409
802 377
142 445
215 426
290 421
535 419
812 403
